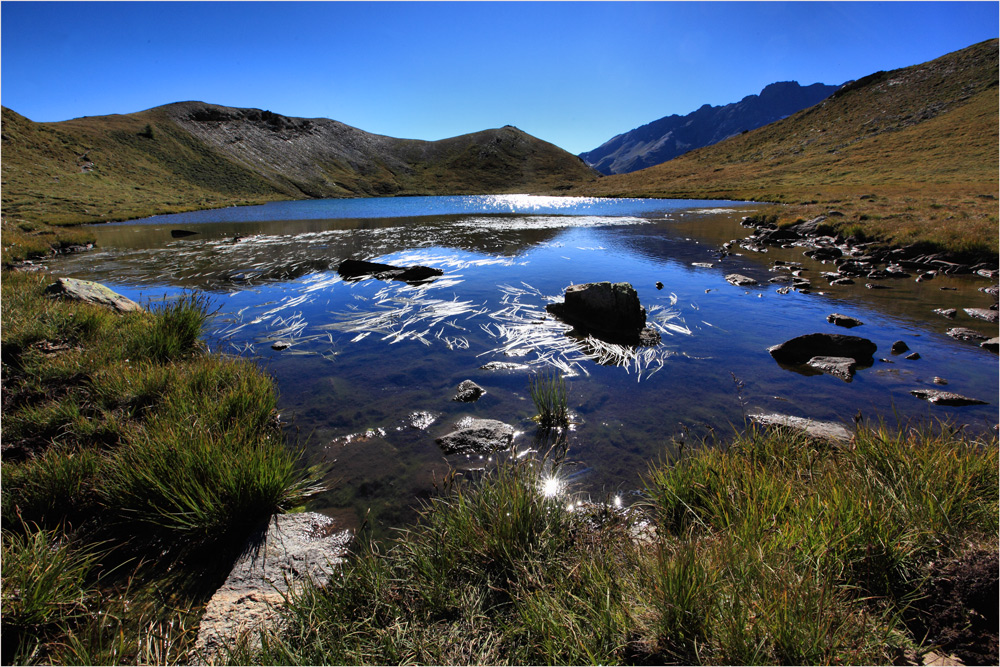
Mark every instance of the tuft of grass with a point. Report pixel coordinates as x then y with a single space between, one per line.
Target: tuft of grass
548 392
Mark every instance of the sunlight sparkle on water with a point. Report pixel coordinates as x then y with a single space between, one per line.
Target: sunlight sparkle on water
551 487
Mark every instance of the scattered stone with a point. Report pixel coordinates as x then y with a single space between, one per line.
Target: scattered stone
801 349
946 312
938 397
817 429
842 281
939 380
740 280
986 314
468 392
844 320
913 356
354 269
659 285
992 344
962 333
992 290
611 309
503 366
477 436
783 290
293 549
842 367
91 292
899 347
280 345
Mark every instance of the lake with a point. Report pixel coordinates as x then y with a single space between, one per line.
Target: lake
367 379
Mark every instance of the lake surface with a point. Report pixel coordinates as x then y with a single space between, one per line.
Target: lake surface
367 380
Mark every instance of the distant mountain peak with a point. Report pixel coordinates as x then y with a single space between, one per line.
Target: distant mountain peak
674 135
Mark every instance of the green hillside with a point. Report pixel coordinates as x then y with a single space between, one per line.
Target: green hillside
907 155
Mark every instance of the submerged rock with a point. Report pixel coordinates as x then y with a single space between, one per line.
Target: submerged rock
899 347
354 269
815 429
293 549
468 392
91 292
611 309
844 320
842 367
938 397
477 436
801 349
740 280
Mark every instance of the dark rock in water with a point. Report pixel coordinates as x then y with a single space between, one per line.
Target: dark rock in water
993 344
946 312
939 380
91 292
354 269
801 349
842 281
468 391
899 347
740 280
816 429
844 320
961 333
983 314
293 550
992 290
913 356
477 436
648 337
280 345
181 233
938 397
842 367
659 285
612 309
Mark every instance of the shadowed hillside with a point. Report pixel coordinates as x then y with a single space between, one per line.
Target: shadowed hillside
905 155
193 155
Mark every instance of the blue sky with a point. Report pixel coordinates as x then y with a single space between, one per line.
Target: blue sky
574 74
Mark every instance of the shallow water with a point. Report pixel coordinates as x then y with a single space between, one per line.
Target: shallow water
372 366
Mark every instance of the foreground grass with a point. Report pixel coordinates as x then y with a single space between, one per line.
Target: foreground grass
775 549
130 460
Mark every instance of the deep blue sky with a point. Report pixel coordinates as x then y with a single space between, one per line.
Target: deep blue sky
574 74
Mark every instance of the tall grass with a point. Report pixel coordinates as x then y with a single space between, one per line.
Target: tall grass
548 392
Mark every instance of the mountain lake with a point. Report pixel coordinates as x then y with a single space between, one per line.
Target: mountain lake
370 368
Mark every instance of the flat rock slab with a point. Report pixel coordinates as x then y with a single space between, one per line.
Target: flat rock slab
503 366
91 292
357 269
831 431
296 548
962 333
740 280
986 314
842 367
801 349
938 397
477 436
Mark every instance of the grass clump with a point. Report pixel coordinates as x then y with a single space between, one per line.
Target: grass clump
775 549
548 392
124 441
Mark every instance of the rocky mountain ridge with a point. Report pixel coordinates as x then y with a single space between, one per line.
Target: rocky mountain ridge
674 135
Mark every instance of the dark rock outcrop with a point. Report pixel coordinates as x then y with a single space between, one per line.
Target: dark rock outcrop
468 392
608 310
844 320
355 269
802 349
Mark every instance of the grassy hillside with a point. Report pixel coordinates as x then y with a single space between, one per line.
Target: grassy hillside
193 155
908 155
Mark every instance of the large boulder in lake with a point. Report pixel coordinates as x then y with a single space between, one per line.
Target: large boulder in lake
91 292
801 349
477 436
610 310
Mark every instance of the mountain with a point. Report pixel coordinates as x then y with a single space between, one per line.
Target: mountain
192 155
668 137
905 155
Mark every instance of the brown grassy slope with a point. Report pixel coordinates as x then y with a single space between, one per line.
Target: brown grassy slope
922 140
194 155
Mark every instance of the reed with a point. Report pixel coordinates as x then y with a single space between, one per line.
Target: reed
548 392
